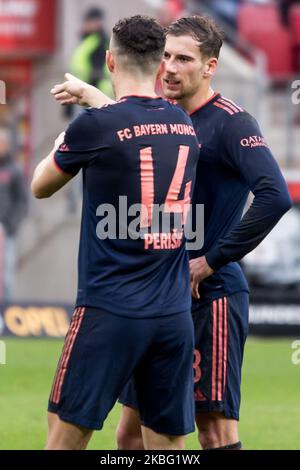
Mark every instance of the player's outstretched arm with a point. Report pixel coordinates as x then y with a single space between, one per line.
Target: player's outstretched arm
75 91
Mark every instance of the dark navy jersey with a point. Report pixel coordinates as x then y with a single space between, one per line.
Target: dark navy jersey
136 155
234 160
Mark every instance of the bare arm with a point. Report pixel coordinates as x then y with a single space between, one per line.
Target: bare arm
75 91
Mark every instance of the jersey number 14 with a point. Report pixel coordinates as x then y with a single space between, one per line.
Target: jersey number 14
172 203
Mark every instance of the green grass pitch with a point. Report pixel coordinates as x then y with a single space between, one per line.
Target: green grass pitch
270 413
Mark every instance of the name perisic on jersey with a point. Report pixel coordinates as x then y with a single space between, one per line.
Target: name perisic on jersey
161 227
155 129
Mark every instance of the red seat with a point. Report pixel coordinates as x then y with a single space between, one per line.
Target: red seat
261 26
294 20
261 17
278 49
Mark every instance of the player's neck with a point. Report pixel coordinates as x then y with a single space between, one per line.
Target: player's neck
197 100
134 87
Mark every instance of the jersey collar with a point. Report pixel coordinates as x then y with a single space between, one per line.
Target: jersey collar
209 101
141 96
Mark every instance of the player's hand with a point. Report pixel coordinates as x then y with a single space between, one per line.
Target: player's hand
59 141
72 91
75 91
199 270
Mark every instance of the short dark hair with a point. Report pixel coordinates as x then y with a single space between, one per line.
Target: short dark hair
203 29
141 41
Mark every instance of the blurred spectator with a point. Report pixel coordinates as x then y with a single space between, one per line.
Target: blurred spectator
88 61
13 208
89 64
226 10
170 11
285 6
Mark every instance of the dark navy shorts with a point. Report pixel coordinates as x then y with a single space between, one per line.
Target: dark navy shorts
102 351
221 329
